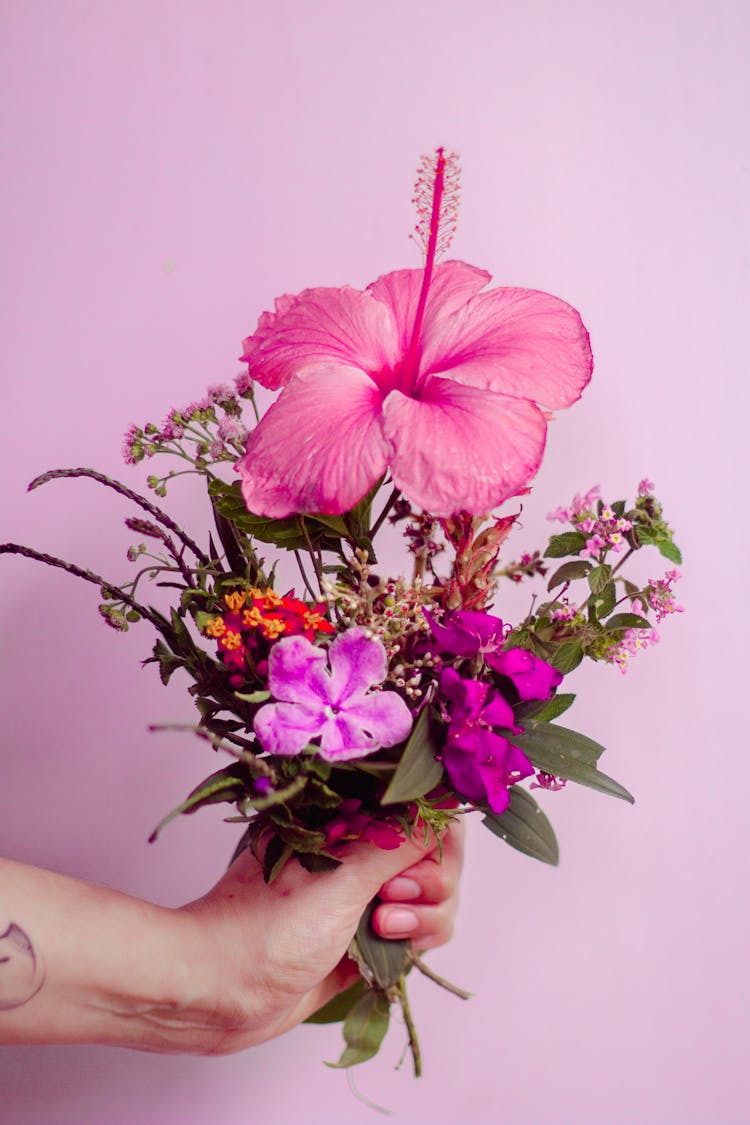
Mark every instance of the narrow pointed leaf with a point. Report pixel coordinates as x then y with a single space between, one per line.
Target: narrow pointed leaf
525 827
566 753
225 785
418 771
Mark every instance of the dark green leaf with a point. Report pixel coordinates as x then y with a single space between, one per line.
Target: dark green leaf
382 961
338 1008
567 657
364 1029
599 578
276 855
566 753
525 827
317 861
418 771
569 543
544 710
627 621
603 603
568 572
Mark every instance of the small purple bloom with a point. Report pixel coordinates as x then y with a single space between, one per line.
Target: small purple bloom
333 704
532 678
481 765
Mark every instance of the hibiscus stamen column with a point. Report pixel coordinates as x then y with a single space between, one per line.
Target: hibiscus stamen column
436 198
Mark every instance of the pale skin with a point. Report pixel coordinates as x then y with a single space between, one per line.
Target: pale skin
80 963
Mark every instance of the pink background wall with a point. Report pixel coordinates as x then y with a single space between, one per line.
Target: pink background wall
169 168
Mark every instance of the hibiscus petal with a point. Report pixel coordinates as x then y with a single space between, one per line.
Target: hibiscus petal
460 447
297 672
451 286
319 448
286 728
358 662
519 342
320 326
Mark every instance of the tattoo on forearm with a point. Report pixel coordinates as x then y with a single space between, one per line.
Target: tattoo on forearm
22 970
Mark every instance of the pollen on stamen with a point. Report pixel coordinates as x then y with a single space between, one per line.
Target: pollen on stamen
438 172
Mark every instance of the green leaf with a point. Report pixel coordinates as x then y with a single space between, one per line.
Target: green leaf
318 861
525 827
253 696
599 578
545 710
364 1029
567 657
277 854
382 961
627 621
569 543
339 1007
566 753
670 551
418 771
604 602
228 784
568 572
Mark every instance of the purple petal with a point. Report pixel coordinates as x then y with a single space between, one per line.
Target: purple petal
384 716
532 678
286 728
463 773
297 672
358 662
467 697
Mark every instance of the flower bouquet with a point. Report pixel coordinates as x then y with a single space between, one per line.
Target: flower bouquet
363 706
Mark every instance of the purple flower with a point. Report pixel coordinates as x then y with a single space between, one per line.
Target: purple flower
334 705
481 765
467 632
532 678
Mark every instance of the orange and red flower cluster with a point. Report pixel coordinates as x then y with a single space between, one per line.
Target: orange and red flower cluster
253 620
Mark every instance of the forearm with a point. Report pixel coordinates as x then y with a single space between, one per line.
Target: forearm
83 964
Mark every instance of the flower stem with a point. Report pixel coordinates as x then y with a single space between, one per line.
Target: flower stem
128 493
416 1052
418 963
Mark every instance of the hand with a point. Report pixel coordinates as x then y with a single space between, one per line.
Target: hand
281 949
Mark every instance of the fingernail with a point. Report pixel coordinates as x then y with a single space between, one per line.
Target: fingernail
399 922
403 887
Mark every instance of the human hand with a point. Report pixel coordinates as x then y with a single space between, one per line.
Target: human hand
278 953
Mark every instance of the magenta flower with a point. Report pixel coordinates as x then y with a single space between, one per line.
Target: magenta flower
532 677
471 633
332 704
420 374
481 764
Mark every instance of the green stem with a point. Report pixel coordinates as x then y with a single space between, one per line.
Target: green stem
396 492
416 1052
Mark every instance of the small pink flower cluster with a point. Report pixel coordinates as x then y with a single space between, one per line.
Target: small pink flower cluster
660 595
633 641
142 442
605 529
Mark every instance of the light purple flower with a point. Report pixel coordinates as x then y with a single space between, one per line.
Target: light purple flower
334 704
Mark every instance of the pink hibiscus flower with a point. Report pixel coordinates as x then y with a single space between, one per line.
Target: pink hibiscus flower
421 374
